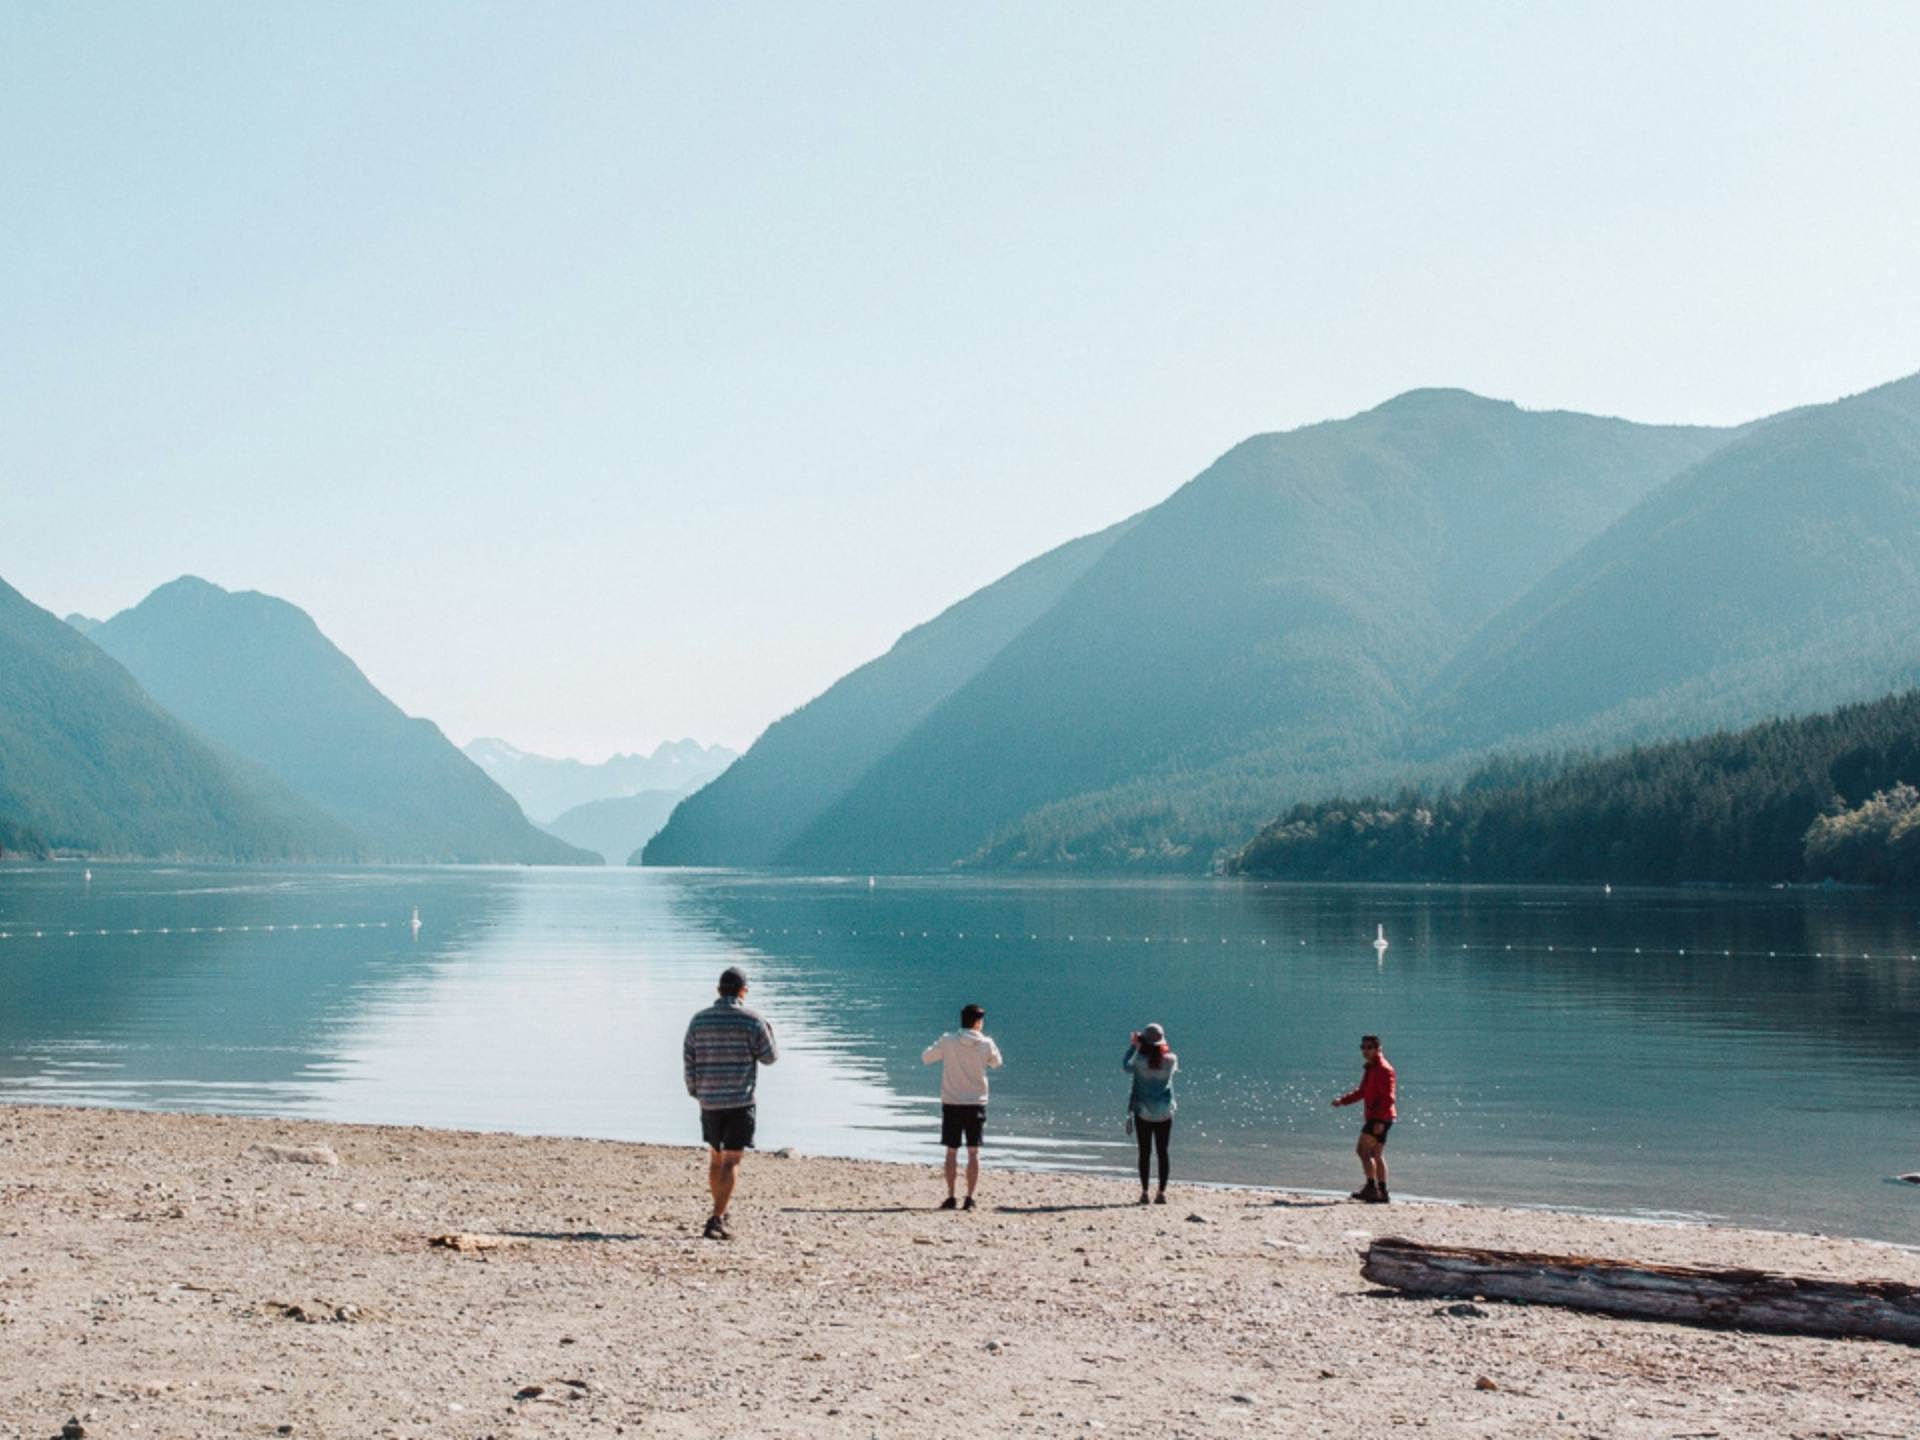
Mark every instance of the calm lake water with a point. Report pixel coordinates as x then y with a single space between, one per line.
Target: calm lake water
1752 1057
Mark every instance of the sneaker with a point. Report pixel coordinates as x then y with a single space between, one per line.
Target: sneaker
1161 1198
1381 1197
969 1204
1366 1194
1143 1197
716 1229
949 1203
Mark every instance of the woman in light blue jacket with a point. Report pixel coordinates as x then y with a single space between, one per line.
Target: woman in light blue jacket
1152 1066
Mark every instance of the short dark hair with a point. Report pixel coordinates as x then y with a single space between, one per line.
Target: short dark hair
732 980
1373 1040
971 1015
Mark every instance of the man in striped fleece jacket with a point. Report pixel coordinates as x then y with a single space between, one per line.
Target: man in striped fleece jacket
725 1046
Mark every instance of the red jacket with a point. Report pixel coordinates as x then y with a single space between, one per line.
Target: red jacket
1377 1089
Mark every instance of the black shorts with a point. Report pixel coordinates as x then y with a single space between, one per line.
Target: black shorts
962 1122
728 1129
1377 1129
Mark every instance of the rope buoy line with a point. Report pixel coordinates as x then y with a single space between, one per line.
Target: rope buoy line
1028 937
87 932
1710 952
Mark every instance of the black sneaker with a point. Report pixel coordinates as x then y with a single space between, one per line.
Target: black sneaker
1366 1194
1381 1197
1143 1197
949 1203
716 1229
969 1204
1161 1198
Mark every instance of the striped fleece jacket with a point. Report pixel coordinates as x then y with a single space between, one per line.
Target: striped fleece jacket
725 1043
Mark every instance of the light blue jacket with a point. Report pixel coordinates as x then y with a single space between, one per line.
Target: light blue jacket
1152 1097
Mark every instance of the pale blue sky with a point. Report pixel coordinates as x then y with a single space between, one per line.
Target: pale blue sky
596 374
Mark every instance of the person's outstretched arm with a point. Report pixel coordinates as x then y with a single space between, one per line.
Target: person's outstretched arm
1126 1060
993 1056
1352 1096
764 1050
935 1052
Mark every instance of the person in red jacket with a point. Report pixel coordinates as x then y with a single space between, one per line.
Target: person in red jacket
1376 1089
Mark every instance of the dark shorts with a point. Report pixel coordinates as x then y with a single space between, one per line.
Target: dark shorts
962 1123
728 1129
1377 1129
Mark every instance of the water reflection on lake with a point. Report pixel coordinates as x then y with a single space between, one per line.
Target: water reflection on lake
1555 1046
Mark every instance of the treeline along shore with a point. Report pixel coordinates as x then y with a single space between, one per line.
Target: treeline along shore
1822 797
172 1275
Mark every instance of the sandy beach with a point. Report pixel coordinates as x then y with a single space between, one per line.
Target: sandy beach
166 1275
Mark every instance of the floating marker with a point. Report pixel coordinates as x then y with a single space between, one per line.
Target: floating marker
1380 941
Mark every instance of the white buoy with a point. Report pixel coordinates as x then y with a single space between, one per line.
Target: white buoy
416 920
1606 889
87 875
1380 941
870 882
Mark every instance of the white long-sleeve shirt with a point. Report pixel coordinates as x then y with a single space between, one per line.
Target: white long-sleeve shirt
967 1057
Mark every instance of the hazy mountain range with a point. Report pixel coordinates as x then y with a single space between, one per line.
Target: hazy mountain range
613 807
547 787
210 724
1345 604
1391 597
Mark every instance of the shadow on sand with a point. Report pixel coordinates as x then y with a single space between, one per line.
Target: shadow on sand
859 1210
1065 1209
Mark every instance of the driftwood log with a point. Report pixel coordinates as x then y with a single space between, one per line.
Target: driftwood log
1731 1299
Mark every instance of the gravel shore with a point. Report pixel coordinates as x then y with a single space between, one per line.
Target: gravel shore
172 1275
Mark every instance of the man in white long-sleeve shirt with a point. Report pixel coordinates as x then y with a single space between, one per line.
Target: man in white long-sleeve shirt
965 1058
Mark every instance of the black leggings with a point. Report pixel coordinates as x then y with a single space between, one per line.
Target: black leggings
1153 1135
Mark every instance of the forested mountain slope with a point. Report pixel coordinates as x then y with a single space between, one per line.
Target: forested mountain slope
1271 625
89 762
1819 797
1780 575
807 760
256 675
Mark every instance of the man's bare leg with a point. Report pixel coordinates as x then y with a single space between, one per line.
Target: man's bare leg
953 1170
723 1169
1364 1147
973 1170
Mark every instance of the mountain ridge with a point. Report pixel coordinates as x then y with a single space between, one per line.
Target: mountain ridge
1288 599
89 761
548 787
257 675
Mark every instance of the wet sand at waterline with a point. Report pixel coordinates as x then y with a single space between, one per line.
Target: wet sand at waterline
163 1275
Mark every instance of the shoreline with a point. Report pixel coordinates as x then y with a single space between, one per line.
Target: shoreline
161 1275
1118 1174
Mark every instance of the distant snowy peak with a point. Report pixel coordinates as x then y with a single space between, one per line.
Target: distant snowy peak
548 787
488 751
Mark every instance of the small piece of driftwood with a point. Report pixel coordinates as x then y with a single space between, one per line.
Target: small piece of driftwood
1730 1299
472 1242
